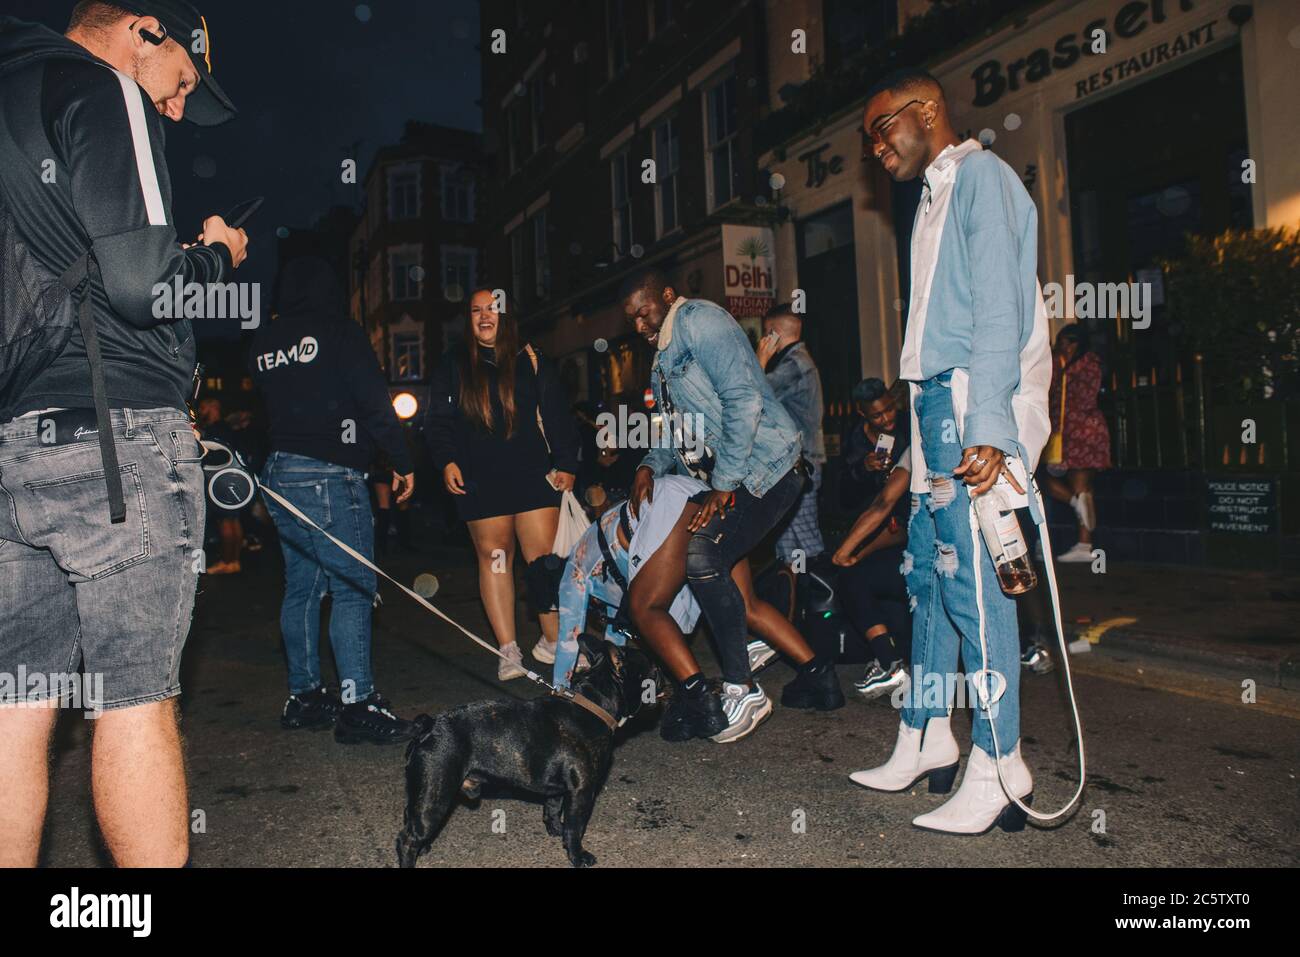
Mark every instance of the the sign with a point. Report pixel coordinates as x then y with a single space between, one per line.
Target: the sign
819 168
1241 503
749 270
993 78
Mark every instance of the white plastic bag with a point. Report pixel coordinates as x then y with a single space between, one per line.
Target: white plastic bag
573 525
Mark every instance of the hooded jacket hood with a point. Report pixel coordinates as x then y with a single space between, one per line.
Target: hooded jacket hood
309 289
22 43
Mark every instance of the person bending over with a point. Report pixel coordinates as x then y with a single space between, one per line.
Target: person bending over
724 425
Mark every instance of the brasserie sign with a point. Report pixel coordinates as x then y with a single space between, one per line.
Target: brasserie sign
994 78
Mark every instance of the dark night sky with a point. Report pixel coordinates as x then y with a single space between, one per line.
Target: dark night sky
310 79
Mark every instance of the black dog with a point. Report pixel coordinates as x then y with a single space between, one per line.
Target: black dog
549 747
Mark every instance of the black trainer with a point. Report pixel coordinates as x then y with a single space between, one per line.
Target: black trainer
695 714
312 710
816 686
370 720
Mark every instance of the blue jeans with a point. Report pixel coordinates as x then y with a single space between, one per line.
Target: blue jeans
713 552
335 498
944 547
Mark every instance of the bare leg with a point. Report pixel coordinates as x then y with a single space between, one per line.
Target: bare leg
24 781
766 622
1056 488
1080 483
138 782
651 594
494 544
232 539
536 531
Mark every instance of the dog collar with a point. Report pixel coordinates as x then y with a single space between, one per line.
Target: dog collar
586 703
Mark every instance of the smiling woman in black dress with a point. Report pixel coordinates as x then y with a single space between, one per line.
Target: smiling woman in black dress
483 434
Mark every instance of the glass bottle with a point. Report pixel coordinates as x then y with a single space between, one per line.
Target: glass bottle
1000 529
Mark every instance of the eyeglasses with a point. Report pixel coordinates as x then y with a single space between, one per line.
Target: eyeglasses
873 134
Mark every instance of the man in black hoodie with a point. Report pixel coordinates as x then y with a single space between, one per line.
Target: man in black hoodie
82 172
330 412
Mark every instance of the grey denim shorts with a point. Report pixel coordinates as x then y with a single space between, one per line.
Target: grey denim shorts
80 594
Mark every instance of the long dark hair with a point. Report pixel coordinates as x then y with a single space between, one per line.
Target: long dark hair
474 399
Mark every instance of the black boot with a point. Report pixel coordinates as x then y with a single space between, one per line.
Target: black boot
815 686
370 720
313 710
693 714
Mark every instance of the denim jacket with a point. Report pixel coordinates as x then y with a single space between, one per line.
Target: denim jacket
712 372
793 376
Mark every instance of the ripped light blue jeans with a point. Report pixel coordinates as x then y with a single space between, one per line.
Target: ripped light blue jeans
947 604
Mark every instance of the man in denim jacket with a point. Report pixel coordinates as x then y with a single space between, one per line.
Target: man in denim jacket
728 427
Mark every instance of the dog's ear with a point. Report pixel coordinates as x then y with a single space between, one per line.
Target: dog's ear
596 649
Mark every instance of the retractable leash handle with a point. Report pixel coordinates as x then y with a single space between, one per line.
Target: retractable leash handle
981 685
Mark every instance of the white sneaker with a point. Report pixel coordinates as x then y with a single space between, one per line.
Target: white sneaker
512 666
544 651
745 708
759 654
1081 552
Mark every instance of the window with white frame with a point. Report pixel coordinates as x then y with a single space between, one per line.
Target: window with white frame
721 122
406 338
541 257
459 272
667 148
622 202
404 191
457 193
405 274
616 36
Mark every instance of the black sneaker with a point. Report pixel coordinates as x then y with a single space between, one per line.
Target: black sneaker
370 720
313 710
692 715
817 687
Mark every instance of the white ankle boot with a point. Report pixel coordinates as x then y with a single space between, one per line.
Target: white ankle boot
980 802
932 753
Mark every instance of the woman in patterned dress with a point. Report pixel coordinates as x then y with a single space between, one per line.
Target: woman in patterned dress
1085 437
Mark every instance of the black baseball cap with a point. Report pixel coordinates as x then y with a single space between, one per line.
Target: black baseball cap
208 105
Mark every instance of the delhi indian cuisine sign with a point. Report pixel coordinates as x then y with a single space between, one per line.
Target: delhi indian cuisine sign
749 270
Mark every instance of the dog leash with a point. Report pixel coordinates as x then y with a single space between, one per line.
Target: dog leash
566 693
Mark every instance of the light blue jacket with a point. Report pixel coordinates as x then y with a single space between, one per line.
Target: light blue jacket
794 379
976 308
712 372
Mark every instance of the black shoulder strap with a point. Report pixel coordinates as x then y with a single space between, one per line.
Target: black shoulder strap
611 567
76 280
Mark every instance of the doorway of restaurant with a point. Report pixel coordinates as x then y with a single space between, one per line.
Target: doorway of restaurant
1147 167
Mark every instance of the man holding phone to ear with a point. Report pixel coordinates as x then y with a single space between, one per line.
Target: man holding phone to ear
793 376
101 490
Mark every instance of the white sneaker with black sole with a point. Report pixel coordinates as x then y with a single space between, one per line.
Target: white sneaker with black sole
878 682
745 708
759 654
